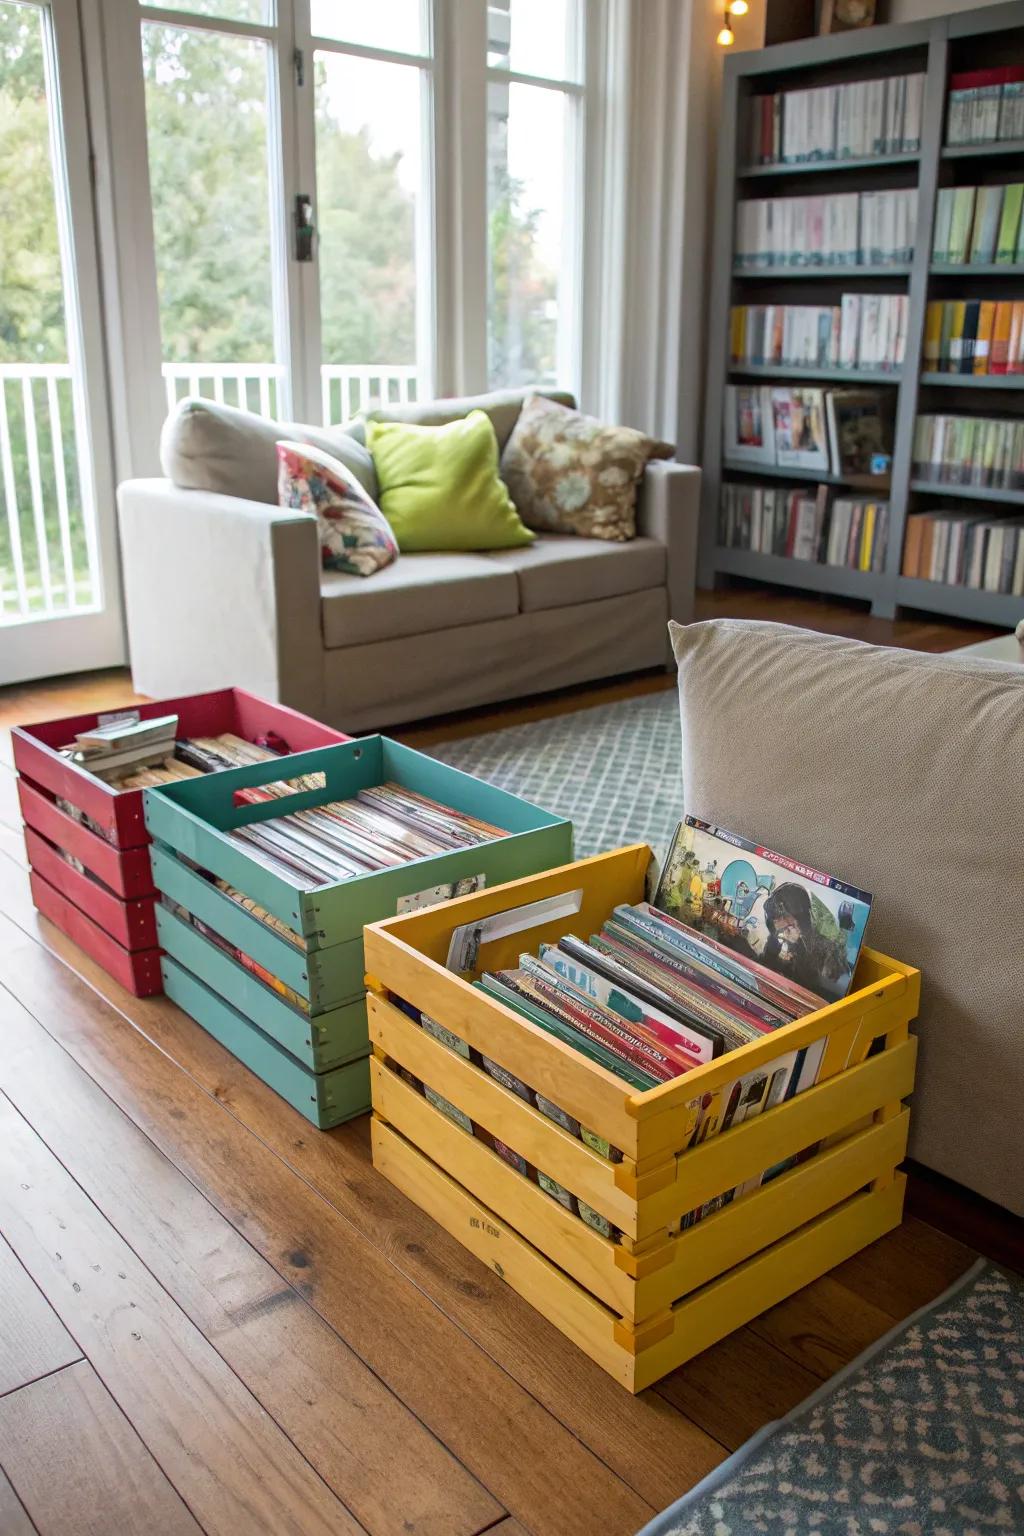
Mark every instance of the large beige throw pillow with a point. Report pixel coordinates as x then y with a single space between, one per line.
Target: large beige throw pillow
568 473
901 773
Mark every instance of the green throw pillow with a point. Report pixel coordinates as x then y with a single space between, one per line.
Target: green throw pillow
439 486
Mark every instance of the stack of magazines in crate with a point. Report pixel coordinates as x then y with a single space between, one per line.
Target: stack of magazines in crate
129 753
738 942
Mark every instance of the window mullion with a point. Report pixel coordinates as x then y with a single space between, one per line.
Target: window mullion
460 119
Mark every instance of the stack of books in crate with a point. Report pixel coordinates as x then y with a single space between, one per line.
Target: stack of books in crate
268 873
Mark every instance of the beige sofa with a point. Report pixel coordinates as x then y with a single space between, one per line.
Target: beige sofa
222 586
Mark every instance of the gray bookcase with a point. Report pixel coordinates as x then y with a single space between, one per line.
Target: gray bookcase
971 40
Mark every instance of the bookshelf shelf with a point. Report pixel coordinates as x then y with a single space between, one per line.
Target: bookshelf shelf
1009 381
975 269
973 151
970 492
939 46
770 274
961 602
823 167
811 374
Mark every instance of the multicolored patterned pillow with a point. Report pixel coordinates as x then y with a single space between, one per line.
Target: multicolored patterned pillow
568 473
355 536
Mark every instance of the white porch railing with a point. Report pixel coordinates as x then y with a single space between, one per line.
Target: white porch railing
47 544
346 389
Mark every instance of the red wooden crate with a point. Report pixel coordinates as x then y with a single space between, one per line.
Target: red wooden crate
137 970
114 921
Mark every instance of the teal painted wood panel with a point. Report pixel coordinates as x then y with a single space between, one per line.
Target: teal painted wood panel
325 1098
319 1043
326 977
191 817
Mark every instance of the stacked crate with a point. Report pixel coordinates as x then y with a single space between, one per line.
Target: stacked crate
463 1113
314 1056
108 906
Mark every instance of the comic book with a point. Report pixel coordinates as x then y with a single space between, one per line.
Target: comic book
806 926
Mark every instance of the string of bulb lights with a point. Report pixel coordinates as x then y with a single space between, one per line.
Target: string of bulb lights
735 8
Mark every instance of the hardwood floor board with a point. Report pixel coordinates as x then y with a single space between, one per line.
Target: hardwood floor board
225 1456
79 1466
10 809
907 1268
13 1519
33 1340
388 1469
476 1408
642 1440
823 1326
737 1386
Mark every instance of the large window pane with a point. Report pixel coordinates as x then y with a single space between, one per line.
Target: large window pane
528 129
206 118
368 156
47 532
225 10
397 25
533 37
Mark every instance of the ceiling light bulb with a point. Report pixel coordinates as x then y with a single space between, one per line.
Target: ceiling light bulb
738 7
725 37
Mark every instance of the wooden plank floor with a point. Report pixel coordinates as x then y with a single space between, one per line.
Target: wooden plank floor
214 1318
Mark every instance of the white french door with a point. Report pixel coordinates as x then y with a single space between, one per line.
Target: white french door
59 596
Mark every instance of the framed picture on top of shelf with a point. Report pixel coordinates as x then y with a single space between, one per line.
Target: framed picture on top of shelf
845 15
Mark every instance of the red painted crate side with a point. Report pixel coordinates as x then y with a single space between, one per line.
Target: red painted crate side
126 871
131 923
37 756
138 972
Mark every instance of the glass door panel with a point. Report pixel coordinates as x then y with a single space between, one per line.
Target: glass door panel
212 156
56 611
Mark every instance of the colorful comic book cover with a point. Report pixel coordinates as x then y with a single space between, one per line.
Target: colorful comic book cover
803 924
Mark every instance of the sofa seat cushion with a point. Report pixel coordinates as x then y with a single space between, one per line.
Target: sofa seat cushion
418 594
560 569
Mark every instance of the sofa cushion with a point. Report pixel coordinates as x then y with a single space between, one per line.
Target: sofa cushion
354 533
899 772
209 447
501 405
417 594
560 569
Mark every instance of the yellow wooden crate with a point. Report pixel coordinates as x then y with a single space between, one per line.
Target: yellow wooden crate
643 1303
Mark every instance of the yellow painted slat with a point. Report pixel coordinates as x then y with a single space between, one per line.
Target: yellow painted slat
743 1293
746 1150
572 1309
588 1257
502 1112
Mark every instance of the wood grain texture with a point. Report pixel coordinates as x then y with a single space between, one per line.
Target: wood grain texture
823 1326
223 1453
736 1386
452 1385
33 1340
78 1465
390 1471
13 1519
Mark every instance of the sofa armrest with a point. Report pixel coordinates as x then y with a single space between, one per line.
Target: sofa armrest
668 509
220 591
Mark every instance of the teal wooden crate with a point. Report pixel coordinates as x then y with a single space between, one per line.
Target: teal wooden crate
325 1098
325 977
327 1040
192 817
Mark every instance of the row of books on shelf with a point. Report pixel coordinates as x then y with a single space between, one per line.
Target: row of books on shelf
837 122
864 330
985 105
969 450
979 225
834 431
738 942
848 229
847 531
974 336
962 549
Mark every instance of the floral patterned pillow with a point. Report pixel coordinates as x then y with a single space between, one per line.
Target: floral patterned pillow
568 473
355 536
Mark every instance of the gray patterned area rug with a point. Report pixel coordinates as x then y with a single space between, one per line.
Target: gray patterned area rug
922 1435
614 771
